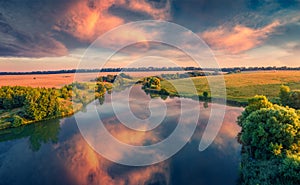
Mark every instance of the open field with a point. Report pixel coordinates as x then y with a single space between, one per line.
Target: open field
242 86
59 80
49 80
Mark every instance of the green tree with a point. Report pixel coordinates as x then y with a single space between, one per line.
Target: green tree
17 121
270 139
256 103
41 103
271 132
152 82
7 102
205 94
294 99
289 98
284 94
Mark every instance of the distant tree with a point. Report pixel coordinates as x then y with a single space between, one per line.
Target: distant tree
123 75
81 86
101 89
152 82
205 94
110 78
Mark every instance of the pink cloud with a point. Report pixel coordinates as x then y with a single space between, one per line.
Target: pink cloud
87 21
239 38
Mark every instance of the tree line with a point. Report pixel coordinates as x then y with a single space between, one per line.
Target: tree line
22 105
141 69
36 103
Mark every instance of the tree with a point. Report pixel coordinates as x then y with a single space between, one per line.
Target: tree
270 139
100 89
256 103
205 94
291 167
152 82
284 94
41 103
17 121
271 132
7 102
289 98
294 99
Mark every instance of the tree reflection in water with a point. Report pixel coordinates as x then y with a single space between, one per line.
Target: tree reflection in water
38 133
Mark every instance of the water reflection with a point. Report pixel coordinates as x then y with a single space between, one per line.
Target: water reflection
84 166
38 134
54 152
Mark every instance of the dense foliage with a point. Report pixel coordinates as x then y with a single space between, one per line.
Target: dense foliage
108 78
23 105
289 98
37 103
151 82
270 137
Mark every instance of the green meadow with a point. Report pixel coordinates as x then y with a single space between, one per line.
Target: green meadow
240 86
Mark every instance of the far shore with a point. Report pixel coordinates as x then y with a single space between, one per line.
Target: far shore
59 80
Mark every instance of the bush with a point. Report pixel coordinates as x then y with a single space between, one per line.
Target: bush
164 92
17 121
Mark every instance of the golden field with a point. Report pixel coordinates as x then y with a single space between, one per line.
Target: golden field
59 80
45 80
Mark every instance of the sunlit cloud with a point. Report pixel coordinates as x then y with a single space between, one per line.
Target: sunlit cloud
56 29
88 20
238 39
85 20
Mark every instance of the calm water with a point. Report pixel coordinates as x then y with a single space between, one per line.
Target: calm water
54 152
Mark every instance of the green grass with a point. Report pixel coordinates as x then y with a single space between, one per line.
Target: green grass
240 87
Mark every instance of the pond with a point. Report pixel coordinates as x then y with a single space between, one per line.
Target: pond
55 152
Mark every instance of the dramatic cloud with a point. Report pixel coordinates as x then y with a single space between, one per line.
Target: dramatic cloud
51 28
88 20
55 28
84 20
239 38
17 43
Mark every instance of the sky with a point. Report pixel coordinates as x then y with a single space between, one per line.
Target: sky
54 34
